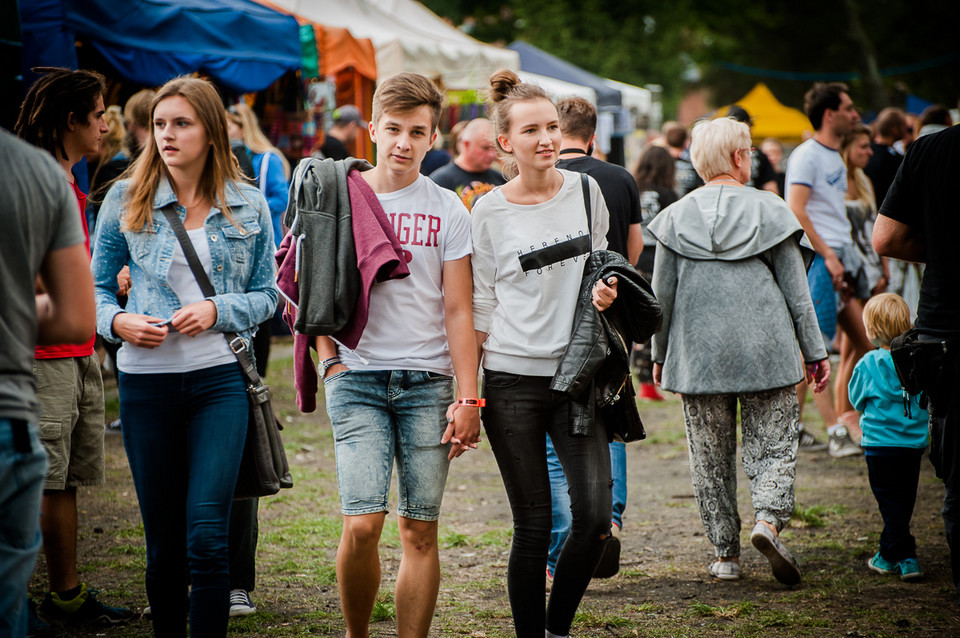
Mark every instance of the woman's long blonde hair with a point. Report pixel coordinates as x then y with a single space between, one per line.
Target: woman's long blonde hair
863 187
112 141
220 167
253 137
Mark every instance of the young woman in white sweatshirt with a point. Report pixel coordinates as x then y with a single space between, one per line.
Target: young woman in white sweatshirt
531 238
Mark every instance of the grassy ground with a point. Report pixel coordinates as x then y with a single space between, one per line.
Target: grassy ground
662 588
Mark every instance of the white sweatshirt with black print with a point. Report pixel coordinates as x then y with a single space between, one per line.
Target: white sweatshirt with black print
527 267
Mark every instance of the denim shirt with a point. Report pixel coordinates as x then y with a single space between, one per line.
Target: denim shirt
242 256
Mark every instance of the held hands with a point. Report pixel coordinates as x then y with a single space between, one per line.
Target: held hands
604 293
463 428
818 374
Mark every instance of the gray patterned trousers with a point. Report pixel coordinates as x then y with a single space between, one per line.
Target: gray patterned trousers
770 436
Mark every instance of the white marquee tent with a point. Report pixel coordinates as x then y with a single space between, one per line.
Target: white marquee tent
409 37
559 89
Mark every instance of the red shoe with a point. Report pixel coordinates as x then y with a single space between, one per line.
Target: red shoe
649 392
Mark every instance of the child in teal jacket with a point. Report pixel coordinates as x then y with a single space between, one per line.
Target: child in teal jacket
895 433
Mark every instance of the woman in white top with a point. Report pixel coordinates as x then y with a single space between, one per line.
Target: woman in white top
183 399
531 238
873 274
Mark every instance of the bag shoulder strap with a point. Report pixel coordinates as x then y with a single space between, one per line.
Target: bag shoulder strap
585 186
264 164
234 341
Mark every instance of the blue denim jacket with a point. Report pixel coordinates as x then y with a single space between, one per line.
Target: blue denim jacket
242 255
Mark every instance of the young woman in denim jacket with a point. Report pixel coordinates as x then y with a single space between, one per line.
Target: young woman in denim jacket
183 399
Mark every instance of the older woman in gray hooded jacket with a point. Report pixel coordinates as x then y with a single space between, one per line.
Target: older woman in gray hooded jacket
738 326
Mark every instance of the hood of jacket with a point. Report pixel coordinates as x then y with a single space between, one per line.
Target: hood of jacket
727 223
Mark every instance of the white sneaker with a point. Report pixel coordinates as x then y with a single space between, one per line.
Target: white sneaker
782 563
240 603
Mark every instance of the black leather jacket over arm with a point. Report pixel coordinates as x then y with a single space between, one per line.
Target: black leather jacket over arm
595 368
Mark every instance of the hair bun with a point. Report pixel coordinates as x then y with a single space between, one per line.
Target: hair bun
502 83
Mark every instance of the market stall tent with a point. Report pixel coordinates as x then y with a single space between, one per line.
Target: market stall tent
770 117
409 37
559 89
349 61
243 45
540 62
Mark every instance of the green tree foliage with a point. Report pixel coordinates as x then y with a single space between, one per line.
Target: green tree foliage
728 47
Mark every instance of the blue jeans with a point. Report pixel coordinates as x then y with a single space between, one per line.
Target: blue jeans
520 410
23 466
560 498
382 415
184 436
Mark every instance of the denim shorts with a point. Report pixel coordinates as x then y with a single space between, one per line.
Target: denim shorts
382 415
824 298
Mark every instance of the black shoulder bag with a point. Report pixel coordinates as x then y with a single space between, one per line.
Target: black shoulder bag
918 364
263 468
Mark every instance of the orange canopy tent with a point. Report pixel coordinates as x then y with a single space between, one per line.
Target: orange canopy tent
770 117
351 61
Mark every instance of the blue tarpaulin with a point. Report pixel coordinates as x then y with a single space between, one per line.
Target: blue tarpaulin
243 45
46 40
538 61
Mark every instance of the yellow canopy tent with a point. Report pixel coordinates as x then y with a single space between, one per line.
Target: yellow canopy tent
770 117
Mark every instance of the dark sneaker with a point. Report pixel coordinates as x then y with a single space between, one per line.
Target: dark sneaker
841 445
881 565
784 566
909 569
240 603
36 628
609 563
82 610
808 442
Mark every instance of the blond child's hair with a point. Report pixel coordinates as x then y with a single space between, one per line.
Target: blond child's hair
886 316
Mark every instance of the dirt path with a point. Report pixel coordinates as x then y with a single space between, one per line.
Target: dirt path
662 590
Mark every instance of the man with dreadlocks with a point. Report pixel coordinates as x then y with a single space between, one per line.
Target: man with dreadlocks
63 114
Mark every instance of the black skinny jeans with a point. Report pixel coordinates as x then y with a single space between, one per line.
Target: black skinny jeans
893 478
519 410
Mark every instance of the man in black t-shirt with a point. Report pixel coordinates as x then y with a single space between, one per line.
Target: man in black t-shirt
470 175
617 185
919 222
578 124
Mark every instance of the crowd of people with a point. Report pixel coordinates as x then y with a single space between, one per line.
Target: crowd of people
545 277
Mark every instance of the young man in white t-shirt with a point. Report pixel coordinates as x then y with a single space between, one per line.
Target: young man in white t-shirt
816 189
392 398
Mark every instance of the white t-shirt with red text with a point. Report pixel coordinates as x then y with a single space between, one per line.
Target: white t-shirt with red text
406 325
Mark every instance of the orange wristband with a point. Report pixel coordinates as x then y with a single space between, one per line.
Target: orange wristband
479 403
